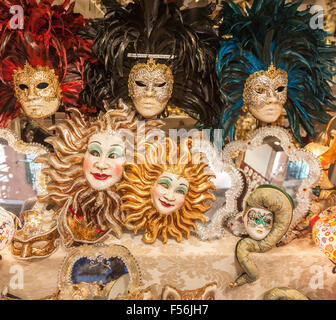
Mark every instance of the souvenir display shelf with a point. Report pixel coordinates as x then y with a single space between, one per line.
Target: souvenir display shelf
191 264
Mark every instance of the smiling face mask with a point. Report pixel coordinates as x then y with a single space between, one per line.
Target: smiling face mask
169 191
150 86
265 94
37 90
103 160
258 223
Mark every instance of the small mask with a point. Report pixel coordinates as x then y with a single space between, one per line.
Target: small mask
37 90
258 223
150 86
265 94
41 246
103 160
169 191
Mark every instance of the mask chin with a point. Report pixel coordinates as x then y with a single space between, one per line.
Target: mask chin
41 110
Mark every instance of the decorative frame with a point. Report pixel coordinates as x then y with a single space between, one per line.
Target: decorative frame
65 284
304 192
27 148
215 227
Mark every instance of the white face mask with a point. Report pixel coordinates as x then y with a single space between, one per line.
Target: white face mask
258 223
103 160
150 86
265 94
169 191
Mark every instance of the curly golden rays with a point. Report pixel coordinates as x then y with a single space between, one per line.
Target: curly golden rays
69 189
139 179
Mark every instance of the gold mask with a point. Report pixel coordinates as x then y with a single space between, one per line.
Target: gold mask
37 90
265 93
150 86
142 212
36 239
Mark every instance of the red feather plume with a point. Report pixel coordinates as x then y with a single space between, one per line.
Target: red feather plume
49 38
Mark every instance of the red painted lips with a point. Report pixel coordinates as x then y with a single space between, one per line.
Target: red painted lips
165 204
100 176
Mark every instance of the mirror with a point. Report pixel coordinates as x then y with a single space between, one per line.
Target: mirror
98 272
229 184
270 157
20 176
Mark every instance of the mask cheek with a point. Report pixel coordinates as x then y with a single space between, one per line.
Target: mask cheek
118 170
87 164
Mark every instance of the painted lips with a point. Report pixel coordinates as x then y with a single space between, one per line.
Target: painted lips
99 176
166 204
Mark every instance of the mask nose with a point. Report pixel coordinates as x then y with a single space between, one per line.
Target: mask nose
169 195
149 91
26 250
271 97
31 93
101 164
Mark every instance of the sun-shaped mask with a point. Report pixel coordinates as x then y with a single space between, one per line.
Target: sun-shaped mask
37 90
165 190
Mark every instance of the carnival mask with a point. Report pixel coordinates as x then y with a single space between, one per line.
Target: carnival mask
258 223
40 246
265 94
150 86
169 191
103 160
37 90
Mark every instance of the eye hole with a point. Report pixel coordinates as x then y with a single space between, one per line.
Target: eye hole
140 84
23 87
160 85
280 89
43 85
260 90
94 153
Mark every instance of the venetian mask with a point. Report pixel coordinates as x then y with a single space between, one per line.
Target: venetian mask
40 246
265 94
150 86
258 223
37 90
169 191
103 160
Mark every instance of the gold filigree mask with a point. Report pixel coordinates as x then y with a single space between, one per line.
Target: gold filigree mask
150 86
37 90
41 246
37 238
265 93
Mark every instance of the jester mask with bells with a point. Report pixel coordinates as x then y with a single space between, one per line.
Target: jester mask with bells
41 65
284 66
84 170
165 190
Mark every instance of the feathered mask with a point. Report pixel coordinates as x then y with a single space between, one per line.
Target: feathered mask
275 35
152 27
48 41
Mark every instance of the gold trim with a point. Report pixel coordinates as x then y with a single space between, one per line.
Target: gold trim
271 73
